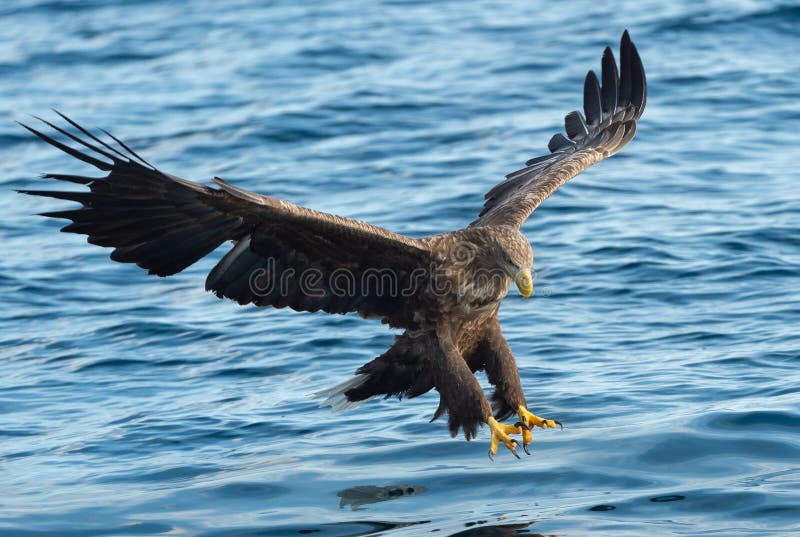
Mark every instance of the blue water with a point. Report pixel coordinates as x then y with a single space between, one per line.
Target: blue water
663 332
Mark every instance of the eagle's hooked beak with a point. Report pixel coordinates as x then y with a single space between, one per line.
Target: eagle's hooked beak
524 282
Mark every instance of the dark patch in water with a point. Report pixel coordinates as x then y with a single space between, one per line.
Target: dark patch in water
670 498
602 507
355 497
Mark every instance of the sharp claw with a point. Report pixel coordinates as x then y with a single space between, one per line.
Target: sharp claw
525 448
523 425
525 415
500 435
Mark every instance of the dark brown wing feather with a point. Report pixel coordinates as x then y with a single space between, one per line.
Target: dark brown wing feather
611 111
284 254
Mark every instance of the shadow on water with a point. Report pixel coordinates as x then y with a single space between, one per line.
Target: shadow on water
337 529
355 497
499 530
366 528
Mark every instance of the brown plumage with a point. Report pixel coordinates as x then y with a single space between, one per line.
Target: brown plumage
444 290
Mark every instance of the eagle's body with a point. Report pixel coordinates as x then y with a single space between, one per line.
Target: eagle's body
444 290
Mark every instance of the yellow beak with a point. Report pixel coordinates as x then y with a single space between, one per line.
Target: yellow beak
524 282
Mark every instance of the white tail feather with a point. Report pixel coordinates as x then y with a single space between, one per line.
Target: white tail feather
335 398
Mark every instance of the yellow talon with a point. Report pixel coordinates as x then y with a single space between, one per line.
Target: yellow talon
529 421
500 432
532 420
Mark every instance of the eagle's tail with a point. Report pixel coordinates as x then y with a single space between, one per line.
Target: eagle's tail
400 372
335 397
158 221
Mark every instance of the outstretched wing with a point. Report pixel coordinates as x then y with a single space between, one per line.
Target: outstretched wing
284 254
609 124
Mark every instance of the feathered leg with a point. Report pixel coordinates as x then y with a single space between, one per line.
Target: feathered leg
508 398
462 398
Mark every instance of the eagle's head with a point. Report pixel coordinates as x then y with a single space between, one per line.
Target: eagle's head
513 254
482 258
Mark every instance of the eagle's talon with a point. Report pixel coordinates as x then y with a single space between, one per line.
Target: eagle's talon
530 420
500 432
525 448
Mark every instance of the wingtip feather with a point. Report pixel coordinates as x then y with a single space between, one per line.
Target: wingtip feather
575 125
608 90
105 166
592 107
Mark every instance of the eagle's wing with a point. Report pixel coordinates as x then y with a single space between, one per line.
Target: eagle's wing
284 254
611 112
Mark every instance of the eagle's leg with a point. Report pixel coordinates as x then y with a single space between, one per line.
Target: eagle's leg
462 398
508 398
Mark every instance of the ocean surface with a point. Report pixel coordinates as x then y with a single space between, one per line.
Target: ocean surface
664 332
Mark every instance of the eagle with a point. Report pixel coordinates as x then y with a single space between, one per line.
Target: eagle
443 291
